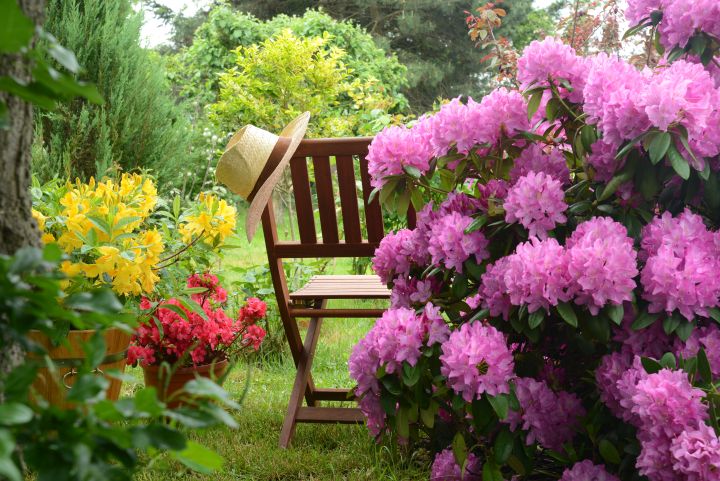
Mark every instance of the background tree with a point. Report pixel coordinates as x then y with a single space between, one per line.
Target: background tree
139 126
426 35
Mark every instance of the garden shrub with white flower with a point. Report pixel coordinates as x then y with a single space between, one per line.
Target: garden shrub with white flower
555 311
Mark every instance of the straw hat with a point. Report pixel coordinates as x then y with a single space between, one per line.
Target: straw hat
253 162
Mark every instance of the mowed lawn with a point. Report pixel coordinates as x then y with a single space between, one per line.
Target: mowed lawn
318 452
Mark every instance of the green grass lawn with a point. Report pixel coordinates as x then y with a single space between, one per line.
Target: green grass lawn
318 452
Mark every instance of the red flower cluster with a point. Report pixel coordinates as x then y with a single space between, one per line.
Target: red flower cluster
175 332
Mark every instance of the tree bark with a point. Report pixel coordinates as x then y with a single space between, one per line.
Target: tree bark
17 226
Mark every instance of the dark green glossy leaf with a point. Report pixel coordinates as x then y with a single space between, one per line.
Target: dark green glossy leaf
651 366
536 318
668 361
659 146
609 452
14 413
567 312
615 312
500 404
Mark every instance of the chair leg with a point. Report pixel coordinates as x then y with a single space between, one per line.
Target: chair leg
300 387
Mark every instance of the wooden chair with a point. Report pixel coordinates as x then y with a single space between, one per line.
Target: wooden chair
310 301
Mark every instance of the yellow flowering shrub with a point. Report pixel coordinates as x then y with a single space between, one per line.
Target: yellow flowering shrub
210 217
115 232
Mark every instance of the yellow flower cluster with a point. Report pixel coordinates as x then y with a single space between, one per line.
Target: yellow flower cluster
101 226
212 218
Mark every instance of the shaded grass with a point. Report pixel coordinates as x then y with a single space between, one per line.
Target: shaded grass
318 452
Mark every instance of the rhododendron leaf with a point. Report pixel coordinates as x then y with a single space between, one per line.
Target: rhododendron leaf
552 109
417 199
176 206
698 44
704 366
427 416
656 16
536 318
684 330
199 458
503 445
411 374
392 385
705 172
473 269
374 193
459 448
615 312
534 103
675 54
659 146
194 290
412 171
609 452
588 135
632 31
533 136
651 366
668 361
628 146
460 286
671 322
707 56
477 224
625 174
499 404
646 181
715 314
517 465
491 472
402 204
567 312
644 320
402 423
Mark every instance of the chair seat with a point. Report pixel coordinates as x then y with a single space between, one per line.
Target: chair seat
342 287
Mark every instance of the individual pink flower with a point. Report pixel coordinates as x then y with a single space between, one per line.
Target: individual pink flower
450 246
253 310
696 454
450 127
444 468
602 263
535 159
537 275
476 360
549 418
536 201
587 471
394 255
398 337
551 60
409 291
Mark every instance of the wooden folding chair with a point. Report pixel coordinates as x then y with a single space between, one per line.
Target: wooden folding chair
310 301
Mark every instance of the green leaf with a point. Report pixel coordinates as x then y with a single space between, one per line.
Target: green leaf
32 92
412 171
534 103
503 446
668 361
4 116
193 306
625 174
615 312
102 301
588 136
402 422
684 330
15 413
659 146
94 349
609 452
500 405
567 312
199 458
704 366
16 30
671 322
477 224
651 366
428 417
536 318
8 469
416 199
460 286
146 401
715 314
678 162
158 436
411 374
644 320
459 449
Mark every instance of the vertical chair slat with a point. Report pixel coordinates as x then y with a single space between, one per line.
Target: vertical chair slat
373 213
348 198
326 199
303 200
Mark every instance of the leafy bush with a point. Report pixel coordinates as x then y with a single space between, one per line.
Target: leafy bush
139 125
555 313
98 438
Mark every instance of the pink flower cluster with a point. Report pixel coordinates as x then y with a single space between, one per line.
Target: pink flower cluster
549 418
587 471
537 201
394 148
394 256
551 60
444 468
706 338
477 360
169 336
681 265
535 159
450 246
681 18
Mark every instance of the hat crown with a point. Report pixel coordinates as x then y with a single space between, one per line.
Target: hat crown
244 158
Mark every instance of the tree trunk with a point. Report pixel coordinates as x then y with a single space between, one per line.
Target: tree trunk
17 227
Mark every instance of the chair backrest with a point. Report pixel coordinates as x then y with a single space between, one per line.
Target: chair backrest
355 239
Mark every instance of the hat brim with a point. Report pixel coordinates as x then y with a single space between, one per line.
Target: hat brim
295 131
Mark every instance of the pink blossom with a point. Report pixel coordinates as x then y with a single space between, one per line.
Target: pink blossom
550 59
587 471
535 159
476 360
450 246
706 338
696 454
602 159
536 201
494 291
444 468
602 263
395 147
501 114
492 193
394 255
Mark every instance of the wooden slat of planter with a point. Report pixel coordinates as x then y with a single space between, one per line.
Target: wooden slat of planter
373 213
326 200
303 200
348 198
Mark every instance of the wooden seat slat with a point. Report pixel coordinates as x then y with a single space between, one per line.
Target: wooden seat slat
342 287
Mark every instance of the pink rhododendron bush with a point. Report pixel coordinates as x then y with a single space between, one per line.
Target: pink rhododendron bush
555 310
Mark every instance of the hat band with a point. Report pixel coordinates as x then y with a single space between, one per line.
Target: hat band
273 161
